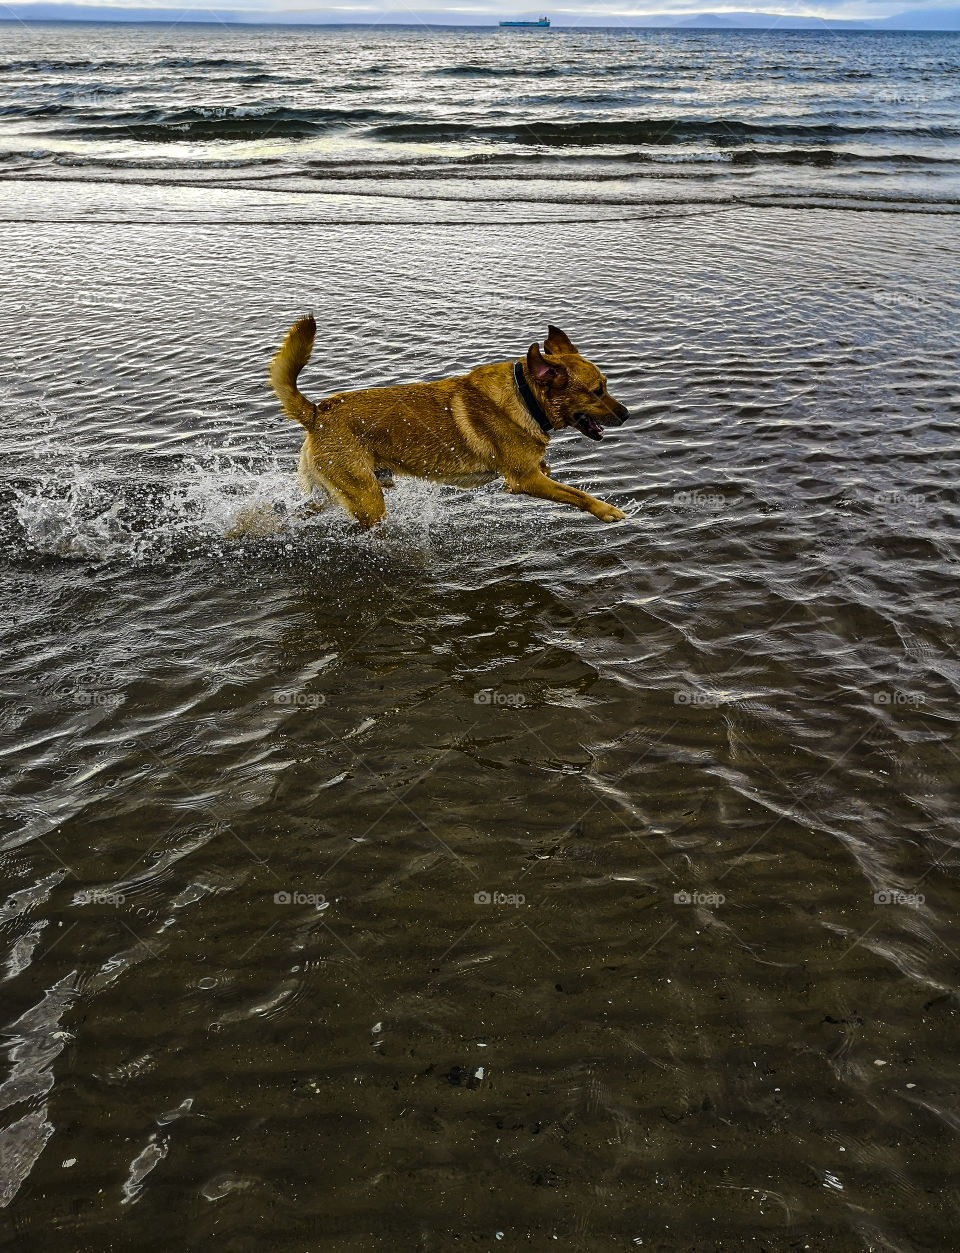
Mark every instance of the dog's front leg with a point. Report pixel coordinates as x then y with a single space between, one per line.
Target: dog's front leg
537 484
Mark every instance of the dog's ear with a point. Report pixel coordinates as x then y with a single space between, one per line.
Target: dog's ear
556 341
543 372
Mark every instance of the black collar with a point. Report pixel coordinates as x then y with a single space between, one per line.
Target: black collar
531 402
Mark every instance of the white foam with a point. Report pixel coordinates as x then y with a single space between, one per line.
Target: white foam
86 511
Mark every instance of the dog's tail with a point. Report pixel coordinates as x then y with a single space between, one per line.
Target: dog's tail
293 355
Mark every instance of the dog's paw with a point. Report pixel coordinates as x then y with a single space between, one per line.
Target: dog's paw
609 513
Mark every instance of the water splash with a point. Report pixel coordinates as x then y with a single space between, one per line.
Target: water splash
89 512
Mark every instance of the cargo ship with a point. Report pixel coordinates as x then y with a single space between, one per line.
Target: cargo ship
542 23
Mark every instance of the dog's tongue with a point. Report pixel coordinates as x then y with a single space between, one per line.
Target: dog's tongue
590 428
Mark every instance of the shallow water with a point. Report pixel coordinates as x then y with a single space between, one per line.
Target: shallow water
254 786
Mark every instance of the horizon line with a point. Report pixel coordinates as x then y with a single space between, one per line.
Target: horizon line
853 24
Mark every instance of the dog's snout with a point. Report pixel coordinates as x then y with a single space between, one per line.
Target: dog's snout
618 413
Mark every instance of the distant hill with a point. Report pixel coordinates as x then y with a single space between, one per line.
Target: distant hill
708 19
917 19
925 19
946 19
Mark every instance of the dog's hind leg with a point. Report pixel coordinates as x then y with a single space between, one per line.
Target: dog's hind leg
311 484
356 488
347 478
307 475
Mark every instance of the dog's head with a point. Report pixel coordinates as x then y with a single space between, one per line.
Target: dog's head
571 390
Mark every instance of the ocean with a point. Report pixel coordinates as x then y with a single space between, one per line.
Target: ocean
473 125
502 879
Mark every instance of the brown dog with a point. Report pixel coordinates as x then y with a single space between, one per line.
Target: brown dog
495 421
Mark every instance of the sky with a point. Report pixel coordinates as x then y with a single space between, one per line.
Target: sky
942 15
